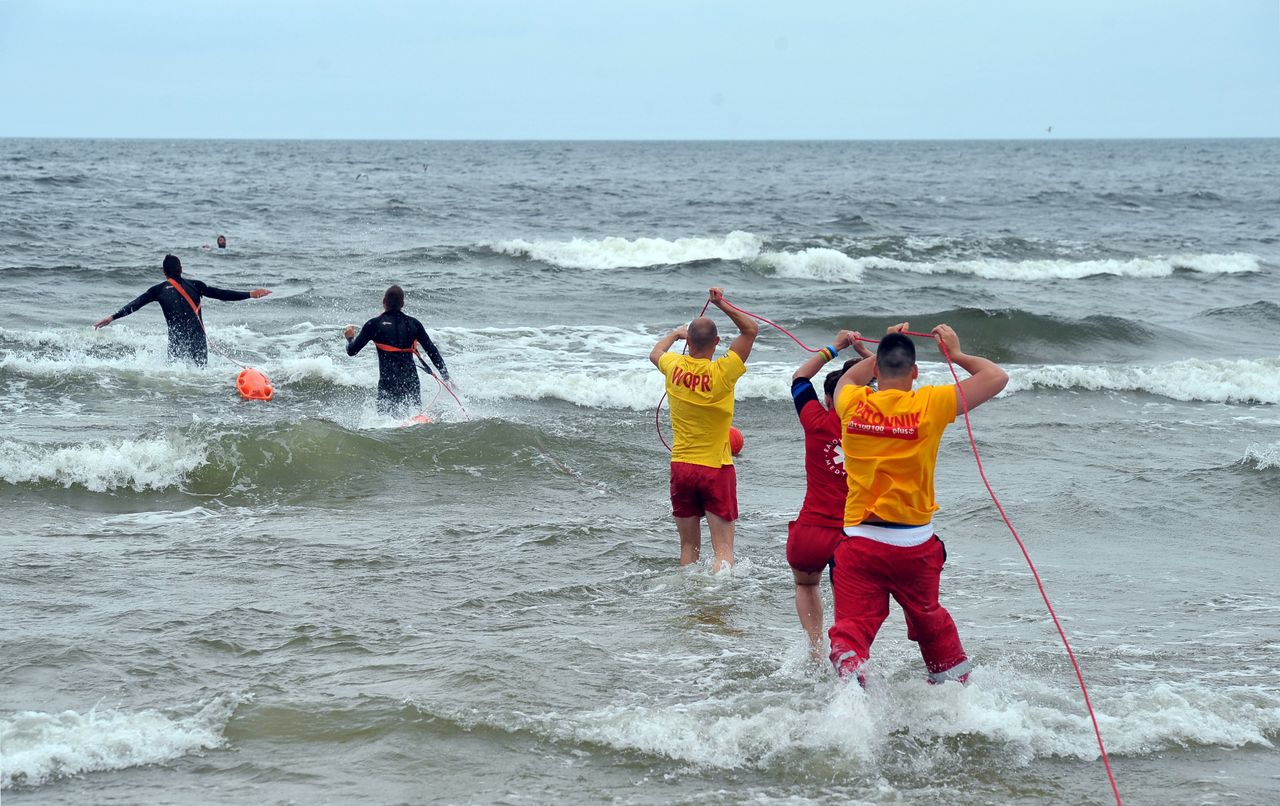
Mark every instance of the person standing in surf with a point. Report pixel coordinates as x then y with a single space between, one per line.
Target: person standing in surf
397 337
812 537
179 299
890 437
703 480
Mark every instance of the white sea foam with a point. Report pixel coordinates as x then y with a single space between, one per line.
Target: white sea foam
39 747
1263 457
607 366
1143 267
1174 715
632 383
1219 380
620 253
1028 716
62 352
139 464
323 367
829 265
814 264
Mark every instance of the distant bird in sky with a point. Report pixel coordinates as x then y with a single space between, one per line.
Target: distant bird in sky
1049 130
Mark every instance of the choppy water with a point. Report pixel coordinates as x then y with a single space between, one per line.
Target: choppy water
209 600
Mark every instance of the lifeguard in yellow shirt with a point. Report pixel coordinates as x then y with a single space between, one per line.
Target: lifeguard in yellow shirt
700 390
890 437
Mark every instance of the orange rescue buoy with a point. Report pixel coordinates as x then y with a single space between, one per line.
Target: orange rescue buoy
735 440
253 385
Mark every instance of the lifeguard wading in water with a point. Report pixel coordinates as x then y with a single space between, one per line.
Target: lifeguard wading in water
890 437
703 481
396 336
180 300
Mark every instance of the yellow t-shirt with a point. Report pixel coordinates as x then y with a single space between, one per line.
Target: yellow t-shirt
701 397
890 440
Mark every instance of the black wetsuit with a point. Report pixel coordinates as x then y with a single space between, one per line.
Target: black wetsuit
186 334
398 387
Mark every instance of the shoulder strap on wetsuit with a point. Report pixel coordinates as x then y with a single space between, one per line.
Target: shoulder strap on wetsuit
194 307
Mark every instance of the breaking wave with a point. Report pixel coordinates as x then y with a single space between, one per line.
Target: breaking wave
40 747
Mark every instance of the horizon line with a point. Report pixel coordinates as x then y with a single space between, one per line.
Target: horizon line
639 139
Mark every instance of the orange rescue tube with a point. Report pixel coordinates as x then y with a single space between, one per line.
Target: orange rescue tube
735 440
253 385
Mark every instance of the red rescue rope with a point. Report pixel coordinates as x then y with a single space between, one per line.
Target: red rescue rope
973 444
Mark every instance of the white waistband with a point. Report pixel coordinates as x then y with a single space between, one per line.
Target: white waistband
903 536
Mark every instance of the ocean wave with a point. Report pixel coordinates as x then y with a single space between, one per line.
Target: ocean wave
602 366
40 747
137 464
621 253
637 386
828 269
910 255
1026 718
815 263
1263 457
208 459
1216 381
1001 331
633 385
1260 312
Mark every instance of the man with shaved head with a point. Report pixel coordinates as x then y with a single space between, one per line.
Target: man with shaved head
703 481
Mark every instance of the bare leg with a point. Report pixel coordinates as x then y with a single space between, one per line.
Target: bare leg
809 609
690 530
721 540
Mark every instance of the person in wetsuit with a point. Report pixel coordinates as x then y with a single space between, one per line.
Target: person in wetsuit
187 340
395 335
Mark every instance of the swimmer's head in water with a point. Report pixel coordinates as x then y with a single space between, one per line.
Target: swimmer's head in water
222 242
172 266
393 300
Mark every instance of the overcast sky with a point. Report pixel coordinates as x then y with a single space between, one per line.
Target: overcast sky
642 69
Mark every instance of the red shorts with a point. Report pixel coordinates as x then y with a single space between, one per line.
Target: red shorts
811 547
698 489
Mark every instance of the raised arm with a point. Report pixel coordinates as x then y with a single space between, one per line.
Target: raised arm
666 341
818 360
986 379
748 329
231 296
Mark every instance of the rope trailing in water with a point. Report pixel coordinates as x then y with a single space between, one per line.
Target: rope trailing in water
973 444
442 384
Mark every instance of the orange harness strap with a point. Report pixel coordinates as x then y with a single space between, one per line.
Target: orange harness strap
194 307
412 348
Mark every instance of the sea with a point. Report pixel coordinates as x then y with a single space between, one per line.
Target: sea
211 600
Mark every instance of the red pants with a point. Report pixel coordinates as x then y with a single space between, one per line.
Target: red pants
810 547
697 490
867 573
